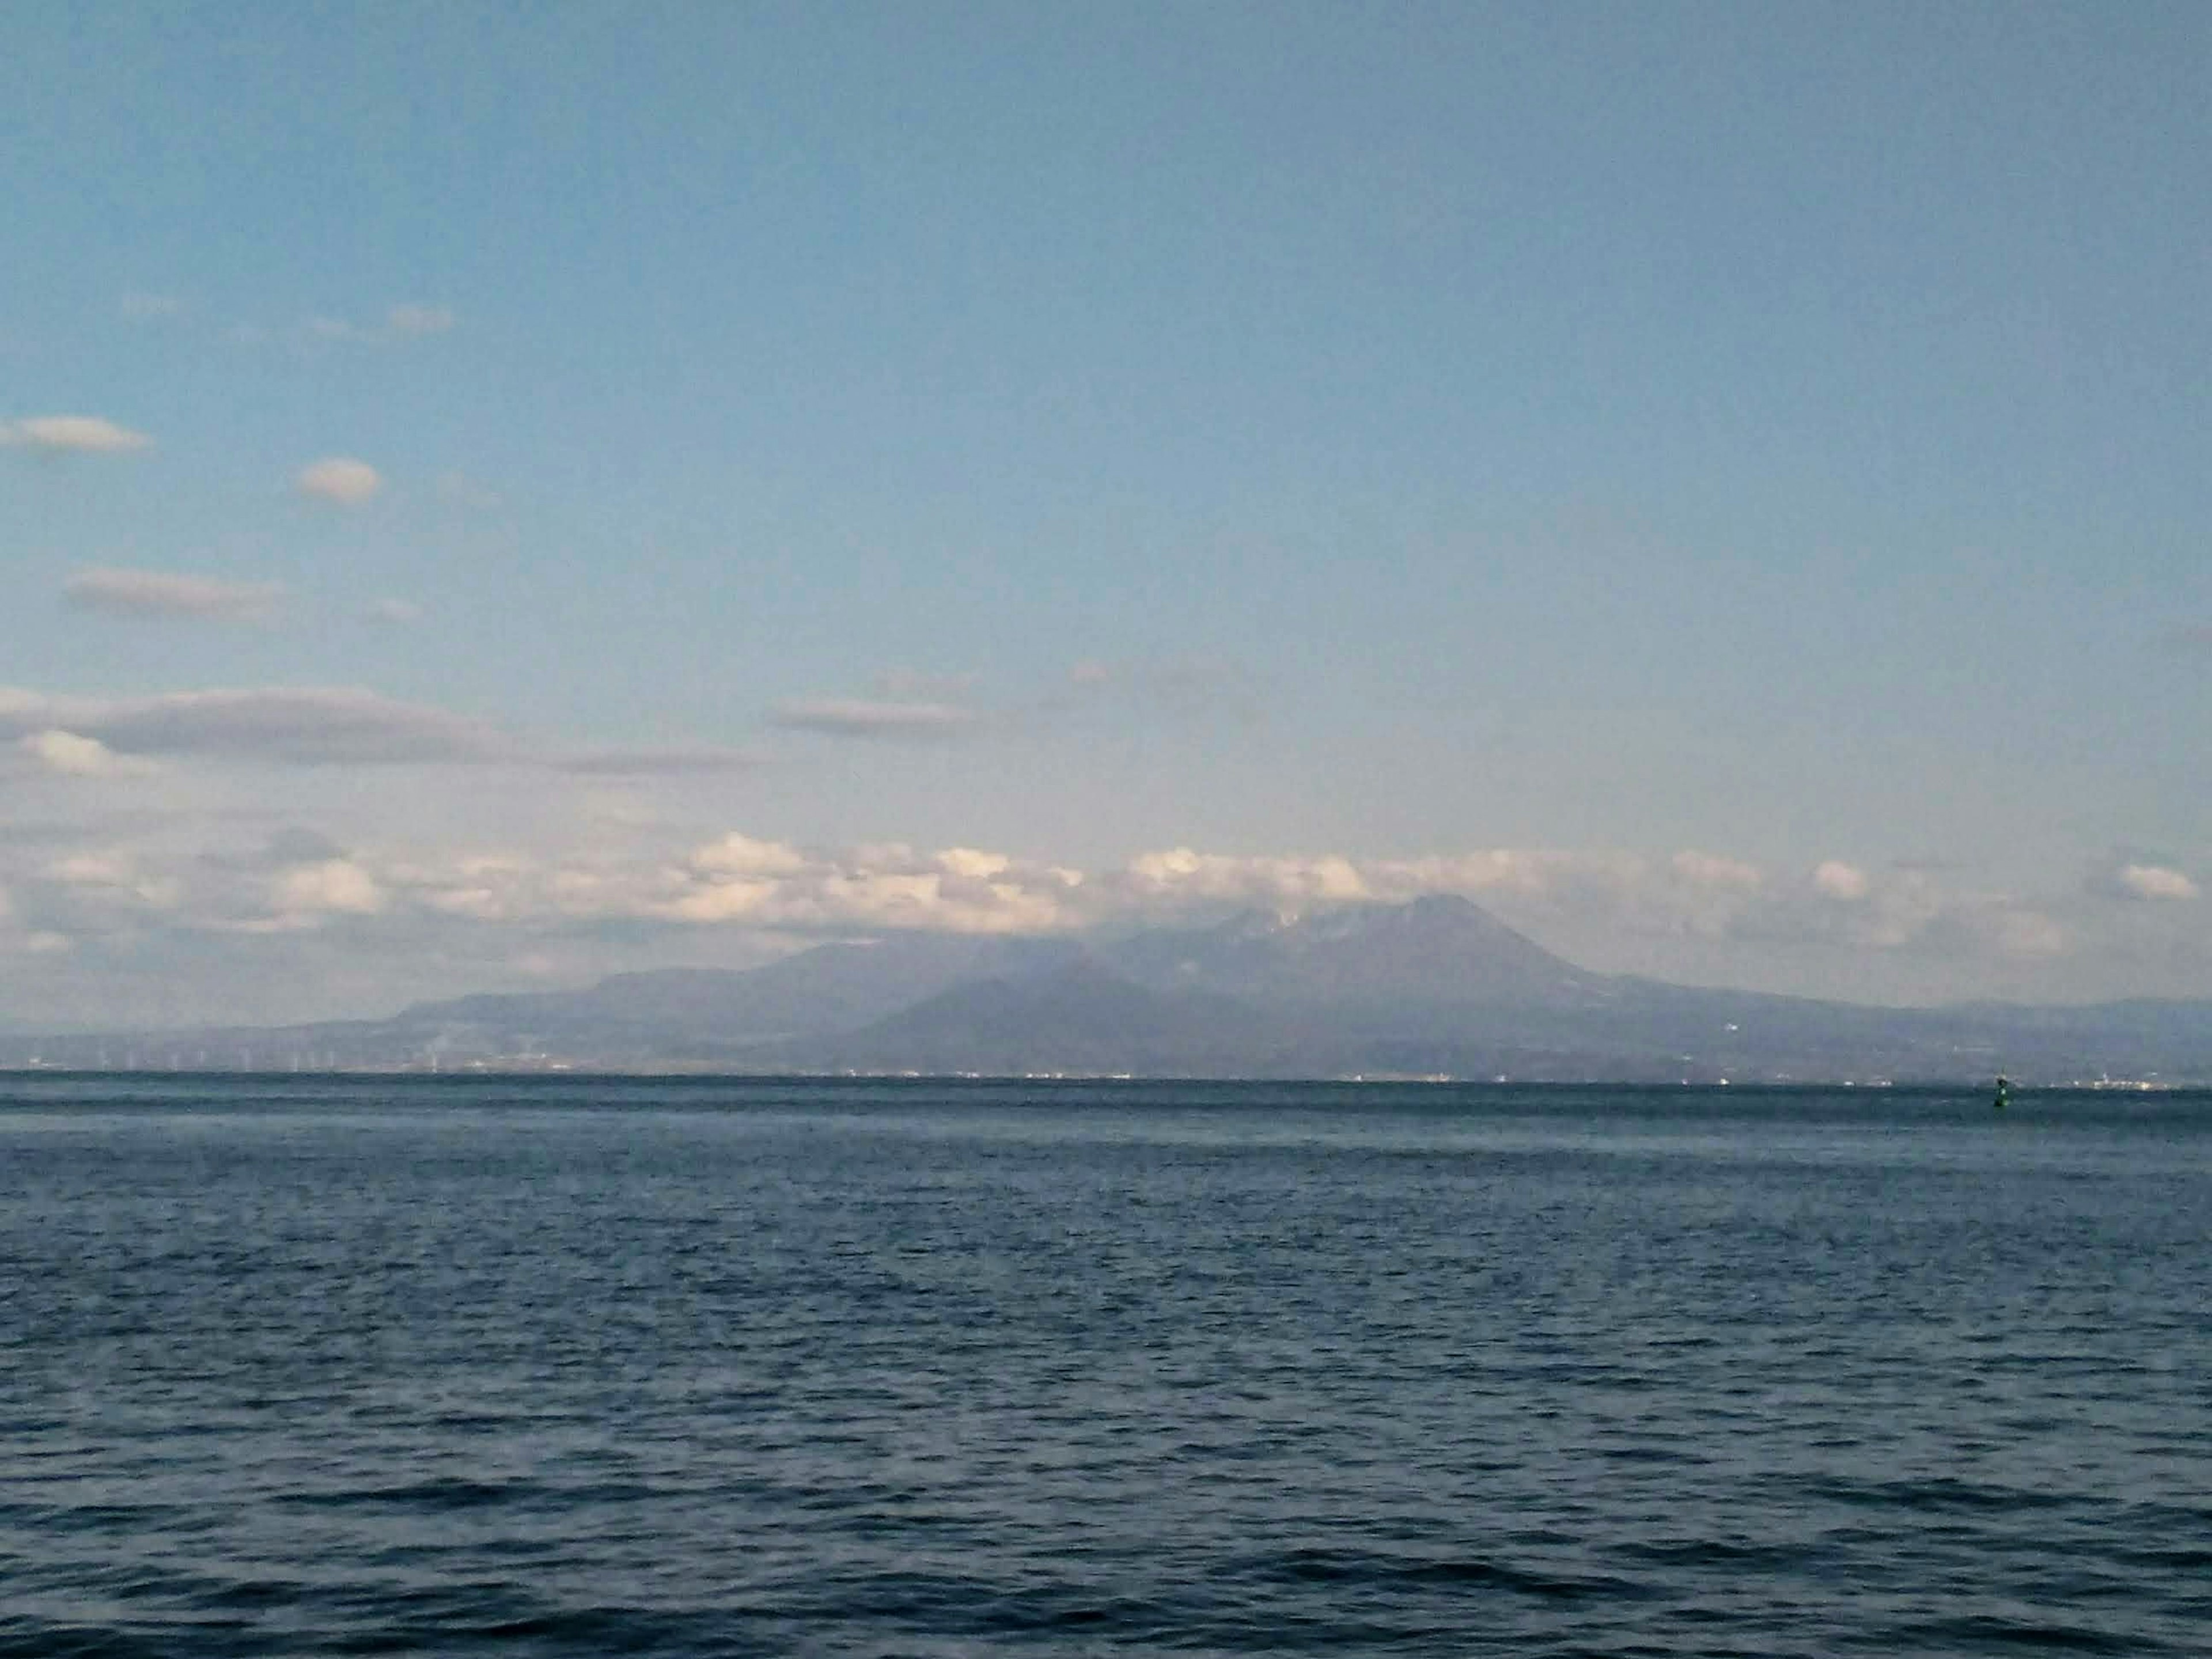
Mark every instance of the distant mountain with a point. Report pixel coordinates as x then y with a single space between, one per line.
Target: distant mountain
1438 952
721 1013
1074 1018
1433 986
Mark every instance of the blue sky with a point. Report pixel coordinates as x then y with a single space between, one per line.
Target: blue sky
1725 486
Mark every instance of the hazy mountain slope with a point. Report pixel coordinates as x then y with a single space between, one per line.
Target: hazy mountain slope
1437 951
830 987
1075 1017
1439 985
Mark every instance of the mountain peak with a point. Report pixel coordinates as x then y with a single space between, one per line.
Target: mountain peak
1437 949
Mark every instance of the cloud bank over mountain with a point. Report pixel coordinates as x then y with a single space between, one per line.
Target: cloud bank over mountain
1433 986
148 855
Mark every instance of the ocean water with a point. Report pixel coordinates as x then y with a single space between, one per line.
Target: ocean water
584 1367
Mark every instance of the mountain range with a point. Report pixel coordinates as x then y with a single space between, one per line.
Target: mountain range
1433 988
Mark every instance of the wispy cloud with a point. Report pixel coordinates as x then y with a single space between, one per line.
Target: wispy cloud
155 593
299 727
339 479
407 321
857 717
312 725
62 434
305 726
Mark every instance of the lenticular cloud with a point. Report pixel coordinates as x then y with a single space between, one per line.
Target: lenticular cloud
58 434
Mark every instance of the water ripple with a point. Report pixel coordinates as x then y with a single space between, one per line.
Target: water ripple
597 1367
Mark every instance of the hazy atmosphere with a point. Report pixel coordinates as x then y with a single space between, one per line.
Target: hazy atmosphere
491 497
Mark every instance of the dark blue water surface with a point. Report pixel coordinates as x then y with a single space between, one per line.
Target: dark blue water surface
587 1366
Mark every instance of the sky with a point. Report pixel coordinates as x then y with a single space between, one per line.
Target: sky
493 496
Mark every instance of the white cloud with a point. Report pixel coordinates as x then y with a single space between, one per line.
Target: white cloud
414 320
398 613
766 884
1184 876
760 884
973 863
87 434
75 756
1594 894
339 479
333 887
858 718
1835 879
162 593
647 899
1689 894
2156 881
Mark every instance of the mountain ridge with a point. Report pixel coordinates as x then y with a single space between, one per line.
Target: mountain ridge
1436 986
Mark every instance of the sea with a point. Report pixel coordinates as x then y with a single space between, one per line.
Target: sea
581 1366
